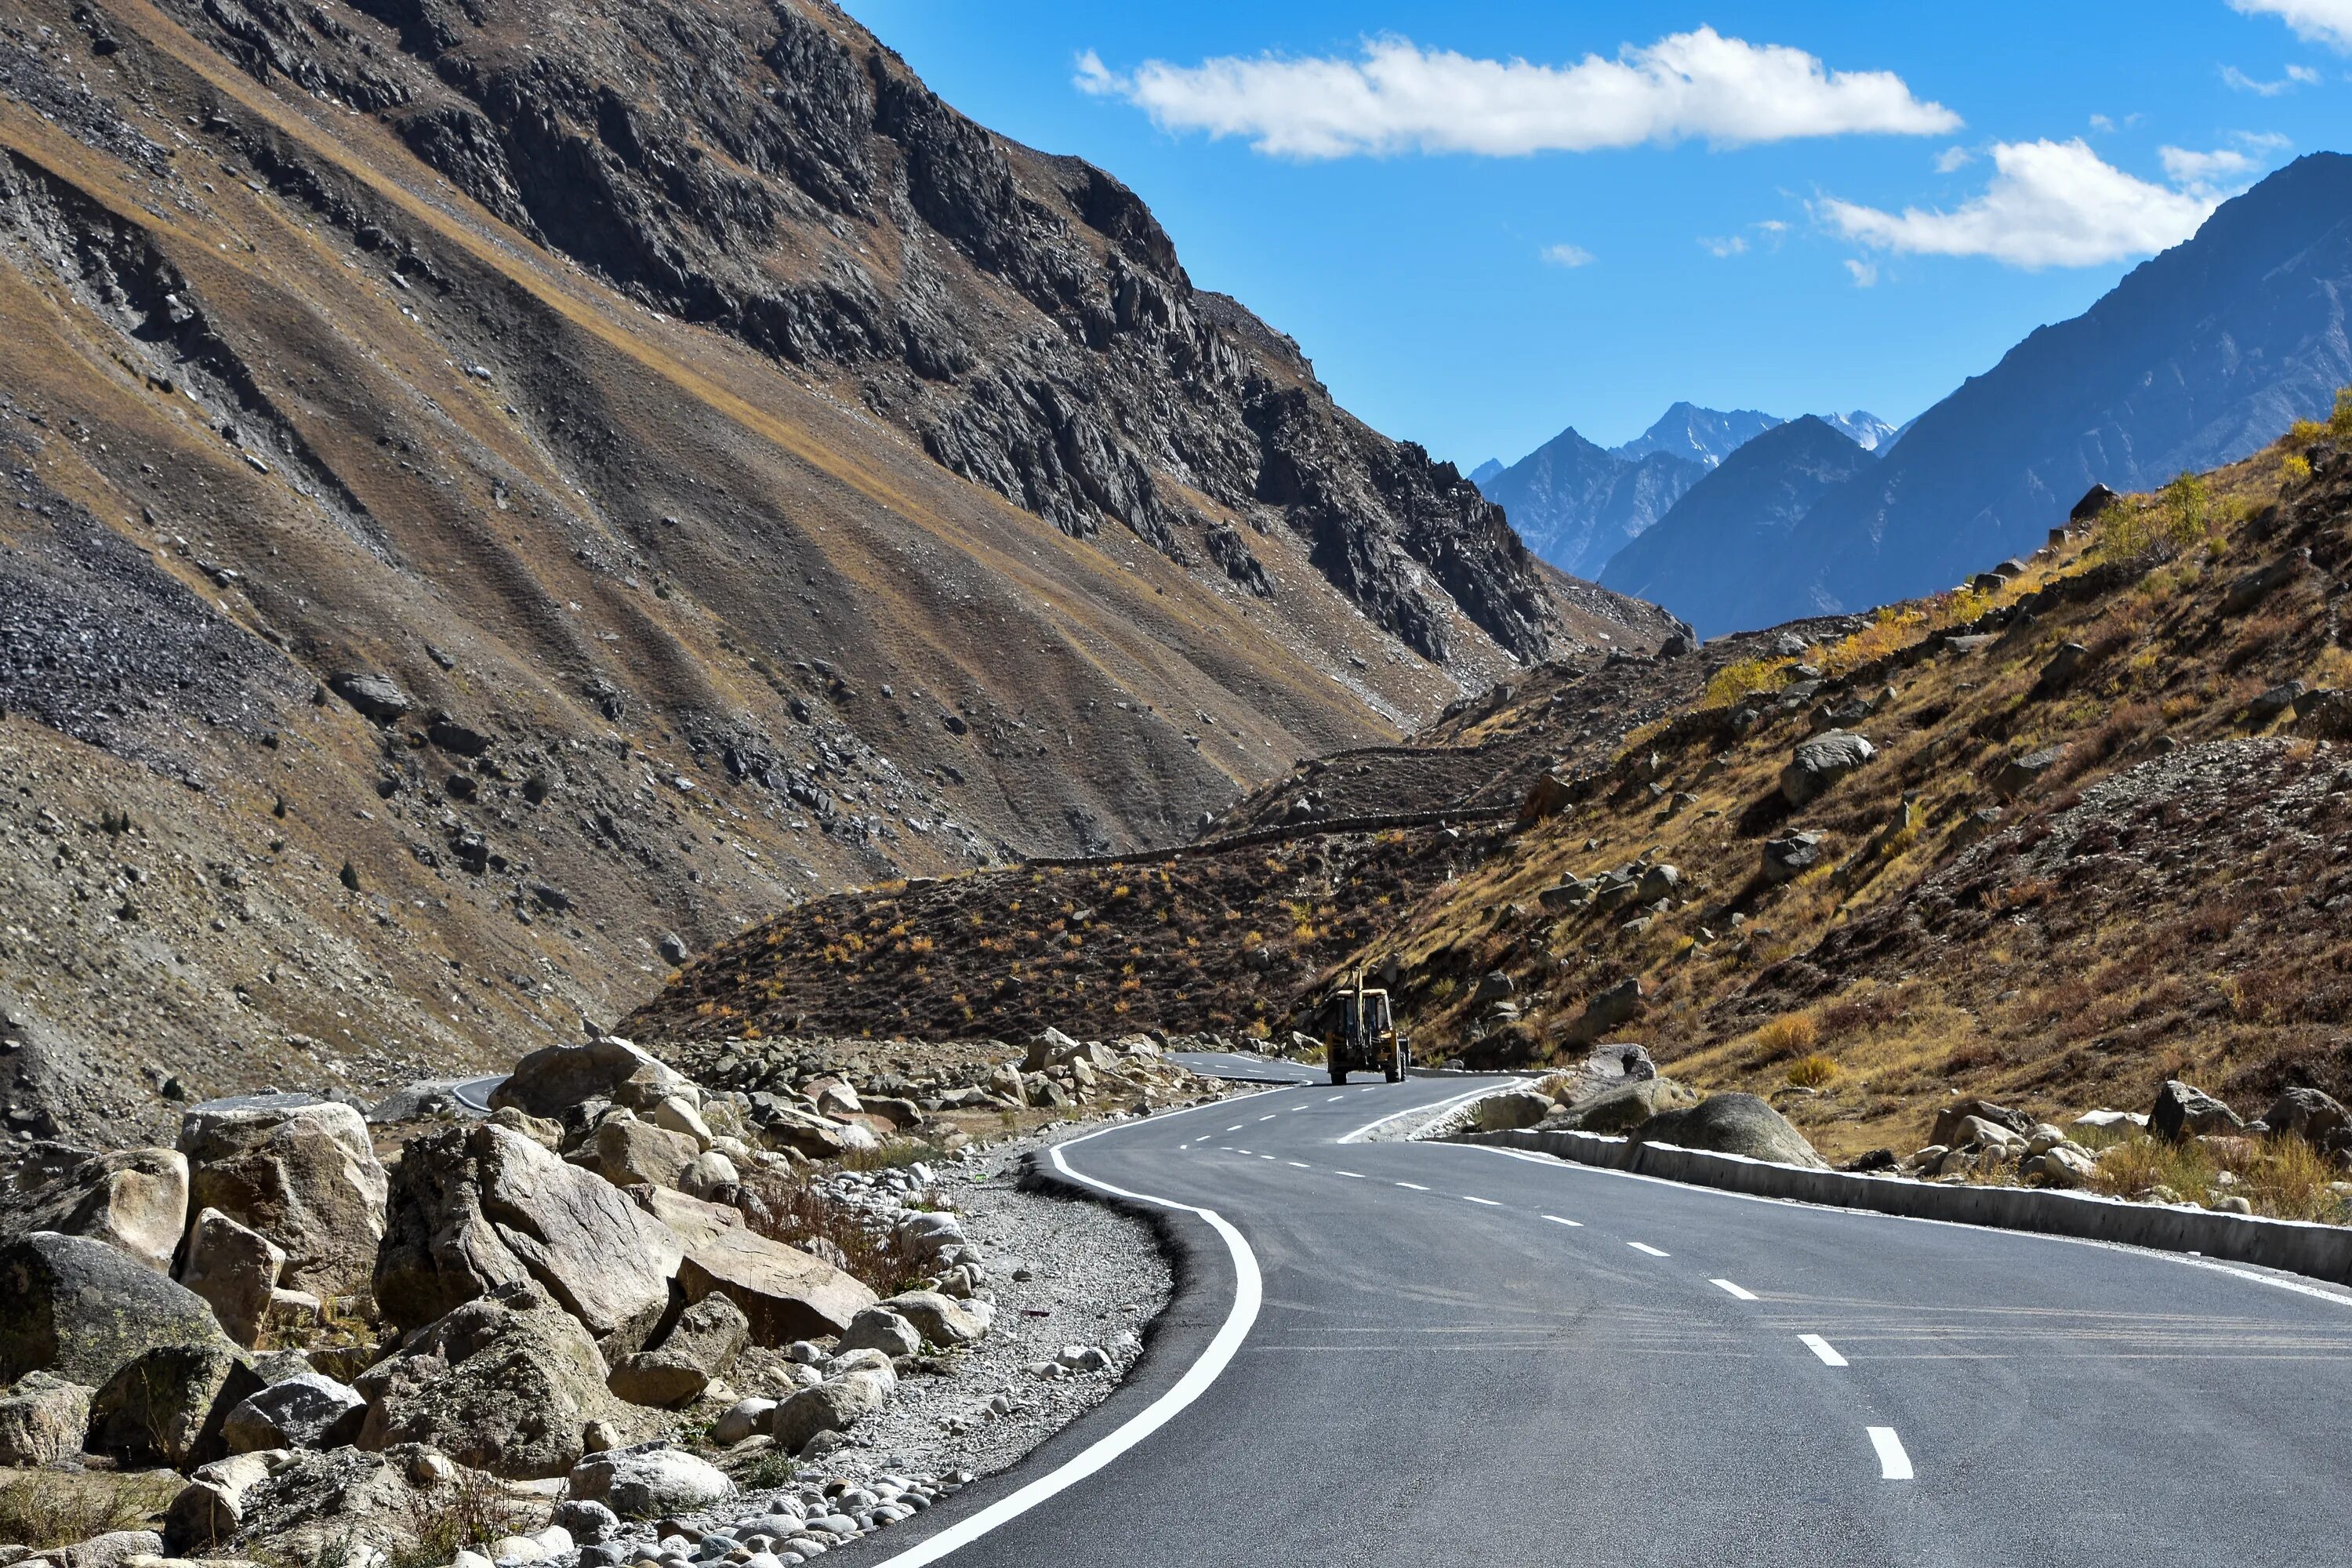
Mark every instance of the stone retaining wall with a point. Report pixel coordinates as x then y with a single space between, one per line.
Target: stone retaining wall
2320 1251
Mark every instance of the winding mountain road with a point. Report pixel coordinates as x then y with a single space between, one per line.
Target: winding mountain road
1388 1353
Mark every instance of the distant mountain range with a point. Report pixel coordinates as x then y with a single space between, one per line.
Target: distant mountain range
2198 358
1577 504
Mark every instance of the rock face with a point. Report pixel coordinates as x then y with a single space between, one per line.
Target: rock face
478 1209
785 1294
134 1199
1820 763
236 1268
649 1479
2183 1110
553 1078
42 1419
167 1406
1732 1124
1513 1108
697 1352
308 1410
505 1384
629 1151
1623 1109
82 1310
305 1176
1953 1117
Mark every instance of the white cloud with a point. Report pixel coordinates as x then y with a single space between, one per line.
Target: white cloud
1566 256
2321 21
1773 225
1723 245
2101 122
2050 204
1865 273
1399 96
2201 171
2296 75
1952 158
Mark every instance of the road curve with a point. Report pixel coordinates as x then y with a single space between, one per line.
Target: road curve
1469 1357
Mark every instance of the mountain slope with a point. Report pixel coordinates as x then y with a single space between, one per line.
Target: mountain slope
2194 359
507 494
1575 504
1696 559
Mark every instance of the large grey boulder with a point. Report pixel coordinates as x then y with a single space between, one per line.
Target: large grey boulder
82 1310
649 1479
476 1209
2183 1111
2313 1115
375 695
785 1293
1606 1009
553 1078
1790 856
505 1384
211 1508
1512 1107
1732 1124
1819 763
2021 773
308 1410
834 1405
134 1199
167 1406
236 1268
699 1349
1622 1108
941 1320
1950 1119
880 1329
628 1152
42 1420
306 1176
115 1549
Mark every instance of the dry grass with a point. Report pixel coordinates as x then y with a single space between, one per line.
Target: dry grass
794 1211
2284 1177
53 1508
1788 1036
1815 1071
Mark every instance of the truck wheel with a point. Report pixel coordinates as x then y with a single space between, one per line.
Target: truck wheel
1338 1073
1396 1071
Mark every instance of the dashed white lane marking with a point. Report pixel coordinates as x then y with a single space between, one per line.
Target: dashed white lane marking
1237 1127
1335 1098
1265 1156
1894 1464
1489 1202
1269 1117
1824 1349
1571 1224
1646 1246
1298 1165
1413 1187
1353 1175
1241 1150
1368 1088
1734 1291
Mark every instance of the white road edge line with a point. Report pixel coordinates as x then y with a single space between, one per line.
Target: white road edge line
1646 1246
1433 1105
1894 1464
1571 1224
1249 1290
1822 1348
1734 1291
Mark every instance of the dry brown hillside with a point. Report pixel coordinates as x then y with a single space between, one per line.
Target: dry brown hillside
744 475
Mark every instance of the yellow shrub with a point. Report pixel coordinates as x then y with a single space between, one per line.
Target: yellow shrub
2293 468
1814 1072
1734 683
2341 423
1788 1036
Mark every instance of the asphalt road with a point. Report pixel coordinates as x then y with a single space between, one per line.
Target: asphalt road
1465 1356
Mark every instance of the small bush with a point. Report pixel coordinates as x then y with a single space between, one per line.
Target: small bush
54 1508
2293 468
1743 679
2340 424
442 1523
1790 1035
1815 1071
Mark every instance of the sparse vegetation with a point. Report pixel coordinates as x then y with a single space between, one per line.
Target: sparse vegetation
56 1508
1814 1072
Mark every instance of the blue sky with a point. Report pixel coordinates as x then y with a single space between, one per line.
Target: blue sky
1485 222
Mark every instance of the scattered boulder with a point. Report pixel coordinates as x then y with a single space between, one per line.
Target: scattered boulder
628 1150
880 1329
508 1383
1732 1124
43 1419
134 1199
2270 704
210 1510
308 1410
1819 763
2096 500
2183 1111
835 1405
1790 856
648 1479
376 697
2244 593
553 1078
236 1268
744 1418
2061 1165
1605 1009
82 1310
167 1406
1511 1108
115 1549
2064 666
2124 1121
585 1523
785 1293
480 1208
306 1176
2312 1115
2015 1123
1627 1106
941 1320
697 1352
2021 773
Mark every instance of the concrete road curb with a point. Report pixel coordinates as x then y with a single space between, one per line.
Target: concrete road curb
2295 1246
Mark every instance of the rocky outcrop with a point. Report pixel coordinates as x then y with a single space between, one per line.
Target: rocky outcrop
481 1209
304 1175
784 1294
554 1078
82 1310
236 1268
134 1199
42 1420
